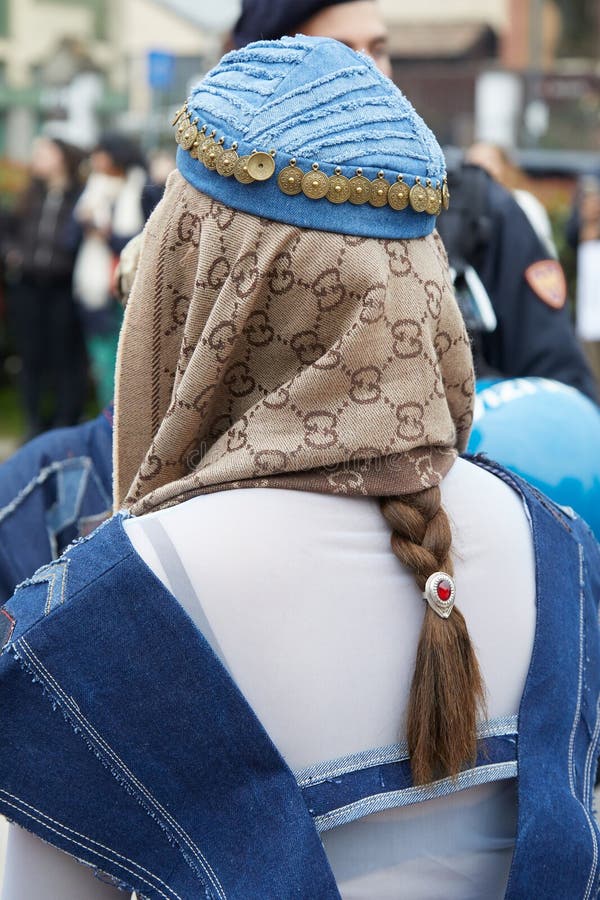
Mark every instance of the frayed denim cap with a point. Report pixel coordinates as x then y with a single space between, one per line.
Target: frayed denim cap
307 132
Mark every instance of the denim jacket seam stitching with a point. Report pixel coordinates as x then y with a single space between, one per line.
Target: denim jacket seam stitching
65 828
81 488
592 752
407 796
591 755
88 848
30 582
311 776
50 580
576 720
37 481
528 680
96 738
55 687
100 486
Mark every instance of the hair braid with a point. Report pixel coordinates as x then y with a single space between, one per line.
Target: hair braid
447 689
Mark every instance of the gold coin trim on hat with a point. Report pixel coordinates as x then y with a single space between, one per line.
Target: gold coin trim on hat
315 184
380 187
445 194
292 180
434 206
227 162
188 137
360 189
418 196
241 173
212 153
261 165
399 194
179 114
339 187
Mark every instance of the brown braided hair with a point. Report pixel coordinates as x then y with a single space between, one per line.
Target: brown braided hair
447 689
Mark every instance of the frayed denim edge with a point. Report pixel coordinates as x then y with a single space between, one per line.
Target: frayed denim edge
121 780
100 874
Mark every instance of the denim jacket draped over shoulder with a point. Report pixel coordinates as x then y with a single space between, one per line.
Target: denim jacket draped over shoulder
126 743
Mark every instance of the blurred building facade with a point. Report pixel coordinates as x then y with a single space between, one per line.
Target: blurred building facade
61 59
519 72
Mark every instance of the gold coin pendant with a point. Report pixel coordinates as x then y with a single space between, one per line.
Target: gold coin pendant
360 190
339 189
398 195
183 126
290 180
432 201
418 198
212 154
315 184
188 137
261 166
379 192
445 196
241 173
226 163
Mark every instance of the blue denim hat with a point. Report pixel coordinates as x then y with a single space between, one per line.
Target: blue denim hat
307 132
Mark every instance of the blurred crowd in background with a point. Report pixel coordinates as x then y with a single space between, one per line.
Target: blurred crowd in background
86 95
61 242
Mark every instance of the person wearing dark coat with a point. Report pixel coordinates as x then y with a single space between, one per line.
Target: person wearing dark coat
527 290
356 23
39 257
486 228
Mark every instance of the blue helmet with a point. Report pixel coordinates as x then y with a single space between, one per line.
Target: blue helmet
546 432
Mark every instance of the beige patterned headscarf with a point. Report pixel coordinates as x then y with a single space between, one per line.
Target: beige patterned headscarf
256 354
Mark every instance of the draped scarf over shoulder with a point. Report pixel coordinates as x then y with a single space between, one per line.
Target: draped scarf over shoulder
256 354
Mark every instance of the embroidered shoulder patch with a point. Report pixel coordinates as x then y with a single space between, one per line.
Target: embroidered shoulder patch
7 624
547 280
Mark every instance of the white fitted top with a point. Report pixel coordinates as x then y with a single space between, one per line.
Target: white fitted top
318 623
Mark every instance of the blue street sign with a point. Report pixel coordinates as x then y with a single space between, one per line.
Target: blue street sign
161 69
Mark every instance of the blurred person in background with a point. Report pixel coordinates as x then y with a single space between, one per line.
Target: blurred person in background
486 229
58 487
39 257
160 165
111 210
356 23
531 333
497 163
587 322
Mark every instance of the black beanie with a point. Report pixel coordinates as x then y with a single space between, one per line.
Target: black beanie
271 19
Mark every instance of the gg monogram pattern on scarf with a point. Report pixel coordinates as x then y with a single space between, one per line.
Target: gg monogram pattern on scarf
259 354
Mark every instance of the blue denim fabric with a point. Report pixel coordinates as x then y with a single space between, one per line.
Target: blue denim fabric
139 755
345 793
56 488
316 101
267 200
126 743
